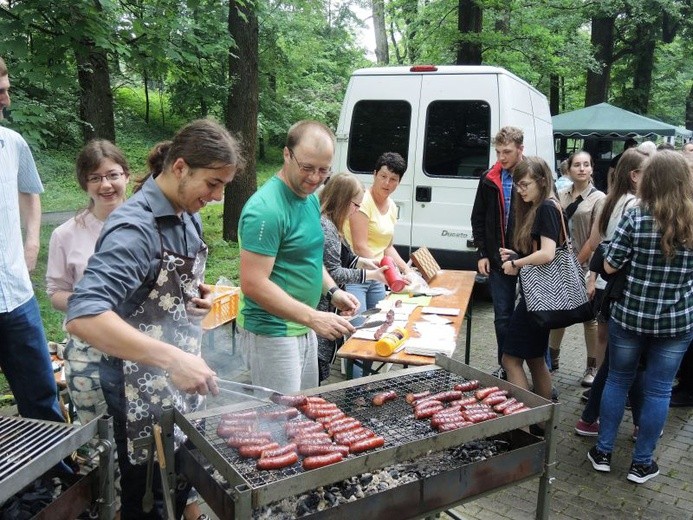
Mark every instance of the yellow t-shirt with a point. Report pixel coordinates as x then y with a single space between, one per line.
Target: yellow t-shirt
381 228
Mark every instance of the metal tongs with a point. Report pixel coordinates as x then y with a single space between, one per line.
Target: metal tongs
270 395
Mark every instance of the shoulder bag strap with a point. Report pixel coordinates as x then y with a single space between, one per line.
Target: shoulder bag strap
565 232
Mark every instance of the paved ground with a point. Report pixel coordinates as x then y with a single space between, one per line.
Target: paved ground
578 491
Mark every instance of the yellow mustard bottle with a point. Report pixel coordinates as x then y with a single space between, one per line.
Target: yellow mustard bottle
389 341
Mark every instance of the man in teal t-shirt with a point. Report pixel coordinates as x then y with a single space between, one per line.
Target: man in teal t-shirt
282 274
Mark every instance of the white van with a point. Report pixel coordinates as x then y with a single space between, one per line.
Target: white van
441 120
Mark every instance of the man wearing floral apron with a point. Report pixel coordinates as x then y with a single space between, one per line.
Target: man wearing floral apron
140 302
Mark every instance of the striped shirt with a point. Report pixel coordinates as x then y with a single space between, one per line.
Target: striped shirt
658 296
18 174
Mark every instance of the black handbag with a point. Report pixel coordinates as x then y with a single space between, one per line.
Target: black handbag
555 293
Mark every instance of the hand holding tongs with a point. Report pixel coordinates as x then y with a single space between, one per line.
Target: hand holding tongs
270 395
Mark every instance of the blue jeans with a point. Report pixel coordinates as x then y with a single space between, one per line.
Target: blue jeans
502 289
26 363
368 294
591 411
663 357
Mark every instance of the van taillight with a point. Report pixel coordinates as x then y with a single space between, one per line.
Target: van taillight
423 68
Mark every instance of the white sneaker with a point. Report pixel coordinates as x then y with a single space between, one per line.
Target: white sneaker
588 376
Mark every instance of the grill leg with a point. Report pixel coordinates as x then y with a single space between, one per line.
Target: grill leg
106 496
546 480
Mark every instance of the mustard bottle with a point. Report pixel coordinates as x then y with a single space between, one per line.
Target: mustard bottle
389 341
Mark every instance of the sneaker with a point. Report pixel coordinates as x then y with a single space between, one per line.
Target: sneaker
500 373
586 429
600 461
586 395
588 377
641 473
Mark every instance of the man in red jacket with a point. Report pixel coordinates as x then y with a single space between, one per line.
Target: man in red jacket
492 228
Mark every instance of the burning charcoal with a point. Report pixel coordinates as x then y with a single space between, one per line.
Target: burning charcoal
382 486
394 473
331 499
349 491
307 504
366 479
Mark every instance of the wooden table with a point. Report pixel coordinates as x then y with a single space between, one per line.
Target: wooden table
461 283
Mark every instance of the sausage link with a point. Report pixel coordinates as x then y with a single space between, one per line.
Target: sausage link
366 444
311 435
448 426
494 399
350 425
318 461
279 462
505 404
411 397
315 399
238 440
253 451
292 429
239 416
513 407
467 386
229 429
477 417
279 415
484 392
275 452
449 395
310 450
427 412
352 436
289 400
382 397
329 418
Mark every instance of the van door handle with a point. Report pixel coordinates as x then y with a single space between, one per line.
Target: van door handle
423 194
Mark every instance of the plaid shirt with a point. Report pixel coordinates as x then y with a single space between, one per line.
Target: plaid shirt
658 296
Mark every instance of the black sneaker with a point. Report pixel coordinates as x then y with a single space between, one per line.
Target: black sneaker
500 374
600 461
641 473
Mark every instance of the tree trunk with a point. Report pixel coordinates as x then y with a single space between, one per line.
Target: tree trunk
145 82
382 54
469 25
597 90
410 9
689 109
554 94
643 65
242 108
95 96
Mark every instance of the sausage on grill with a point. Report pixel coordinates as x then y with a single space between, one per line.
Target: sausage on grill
485 392
410 398
279 462
253 451
310 450
366 444
467 386
289 400
318 461
382 397
277 451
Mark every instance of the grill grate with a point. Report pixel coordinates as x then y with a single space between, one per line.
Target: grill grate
23 441
394 421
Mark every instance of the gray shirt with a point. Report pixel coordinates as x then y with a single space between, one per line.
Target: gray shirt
123 269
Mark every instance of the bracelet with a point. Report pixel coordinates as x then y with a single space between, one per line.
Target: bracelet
512 262
330 292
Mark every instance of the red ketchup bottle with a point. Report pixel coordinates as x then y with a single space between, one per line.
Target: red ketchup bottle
394 279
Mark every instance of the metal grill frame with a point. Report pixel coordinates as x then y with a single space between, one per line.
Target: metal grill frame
247 498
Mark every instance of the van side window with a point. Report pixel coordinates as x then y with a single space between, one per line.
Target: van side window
377 126
458 136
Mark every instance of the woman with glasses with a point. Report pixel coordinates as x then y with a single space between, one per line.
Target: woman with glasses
370 231
103 173
142 299
538 231
340 198
654 317
581 202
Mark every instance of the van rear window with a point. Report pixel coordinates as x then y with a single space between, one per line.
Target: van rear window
457 139
377 126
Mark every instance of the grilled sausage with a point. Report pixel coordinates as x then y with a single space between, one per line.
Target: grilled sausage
366 444
228 429
338 421
352 436
513 408
279 415
345 426
279 462
467 386
437 421
494 399
449 395
411 397
239 416
292 429
317 410
382 397
277 451
310 450
253 451
238 440
500 408
518 410
289 400
476 417
485 392
302 436
448 426
425 413
313 440
329 418
313 399
318 461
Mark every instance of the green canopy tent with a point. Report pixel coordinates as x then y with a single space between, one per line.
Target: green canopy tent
605 121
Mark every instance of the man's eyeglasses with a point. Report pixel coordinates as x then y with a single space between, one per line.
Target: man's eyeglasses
308 169
521 186
110 176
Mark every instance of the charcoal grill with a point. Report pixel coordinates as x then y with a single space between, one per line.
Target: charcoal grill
29 448
405 439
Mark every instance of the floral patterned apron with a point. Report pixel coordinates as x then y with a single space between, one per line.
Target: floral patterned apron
163 315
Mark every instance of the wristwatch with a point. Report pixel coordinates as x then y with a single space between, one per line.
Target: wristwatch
330 292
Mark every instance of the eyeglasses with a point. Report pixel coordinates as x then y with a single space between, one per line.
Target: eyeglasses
356 204
308 169
110 176
521 186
